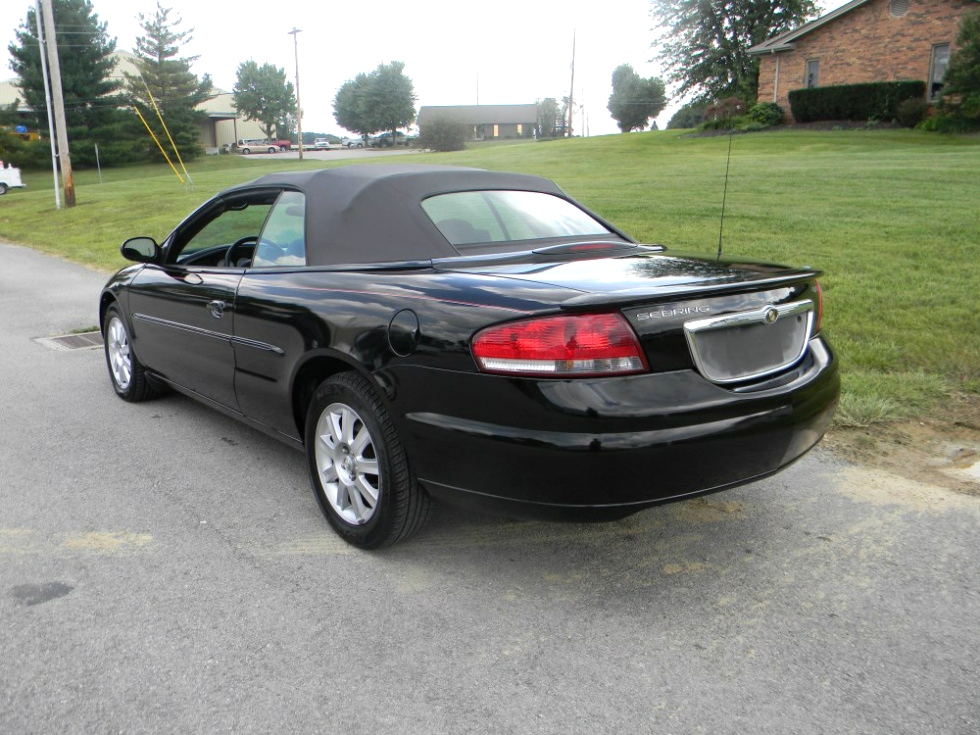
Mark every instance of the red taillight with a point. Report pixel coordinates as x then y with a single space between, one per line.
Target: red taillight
583 344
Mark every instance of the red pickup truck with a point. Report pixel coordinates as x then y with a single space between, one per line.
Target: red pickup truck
283 145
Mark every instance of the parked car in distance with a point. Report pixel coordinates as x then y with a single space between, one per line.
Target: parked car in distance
283 145
247 146
352 142
487 341
321 144
385 141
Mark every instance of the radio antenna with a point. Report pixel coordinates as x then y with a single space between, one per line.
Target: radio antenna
724 196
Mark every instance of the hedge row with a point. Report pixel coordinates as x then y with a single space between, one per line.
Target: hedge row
876 101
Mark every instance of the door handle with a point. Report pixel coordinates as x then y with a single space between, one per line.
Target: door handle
217 308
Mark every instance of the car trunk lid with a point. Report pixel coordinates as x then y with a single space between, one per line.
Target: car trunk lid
732 321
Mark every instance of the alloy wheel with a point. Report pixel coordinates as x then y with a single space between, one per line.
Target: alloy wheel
120 360
347 463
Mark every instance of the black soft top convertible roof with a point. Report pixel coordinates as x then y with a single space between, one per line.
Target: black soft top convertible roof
372 213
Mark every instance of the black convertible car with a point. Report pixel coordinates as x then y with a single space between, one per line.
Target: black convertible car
472 336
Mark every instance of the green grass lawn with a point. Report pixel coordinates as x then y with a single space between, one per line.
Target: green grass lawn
892 217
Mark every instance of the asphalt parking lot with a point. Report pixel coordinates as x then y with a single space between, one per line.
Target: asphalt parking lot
165 569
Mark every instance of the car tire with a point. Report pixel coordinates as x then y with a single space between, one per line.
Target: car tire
273 149
126 372
357 465
245 151
3 189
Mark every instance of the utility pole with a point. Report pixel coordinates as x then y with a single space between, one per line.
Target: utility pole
571 89
47 98
59 104
299 107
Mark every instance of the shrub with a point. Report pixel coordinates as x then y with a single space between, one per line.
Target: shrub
872 101
443 135
35 154
952 124
912 112
766 113
726 109
10 145
725 123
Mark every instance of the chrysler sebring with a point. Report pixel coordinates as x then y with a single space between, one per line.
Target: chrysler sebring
472 336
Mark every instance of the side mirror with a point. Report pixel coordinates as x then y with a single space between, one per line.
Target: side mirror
140 249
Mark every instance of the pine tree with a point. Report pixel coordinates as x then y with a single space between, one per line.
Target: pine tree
86 58
166 79
961 95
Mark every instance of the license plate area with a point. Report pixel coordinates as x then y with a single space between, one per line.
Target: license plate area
732 348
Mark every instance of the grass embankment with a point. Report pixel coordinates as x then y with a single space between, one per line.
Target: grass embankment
892 217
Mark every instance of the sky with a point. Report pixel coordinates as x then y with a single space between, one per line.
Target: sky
456 53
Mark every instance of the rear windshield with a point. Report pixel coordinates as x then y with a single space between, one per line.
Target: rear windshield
486 217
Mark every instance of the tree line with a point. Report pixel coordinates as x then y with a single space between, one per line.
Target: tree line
703 47
100 108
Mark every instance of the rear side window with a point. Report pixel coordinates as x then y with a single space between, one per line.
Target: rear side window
487 217
283 240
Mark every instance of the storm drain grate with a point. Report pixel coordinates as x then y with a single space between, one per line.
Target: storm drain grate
82 341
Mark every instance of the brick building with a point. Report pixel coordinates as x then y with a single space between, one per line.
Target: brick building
863 41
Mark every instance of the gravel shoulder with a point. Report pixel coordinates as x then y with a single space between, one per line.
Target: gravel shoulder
941 450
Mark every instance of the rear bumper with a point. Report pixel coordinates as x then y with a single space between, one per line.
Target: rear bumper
598 448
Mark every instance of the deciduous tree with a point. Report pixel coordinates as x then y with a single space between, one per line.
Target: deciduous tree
262 93
550 118
704 44
634 100
383 99
391 97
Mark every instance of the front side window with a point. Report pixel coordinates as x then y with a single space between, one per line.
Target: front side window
283 239
205 240
812 73
469 218
938 66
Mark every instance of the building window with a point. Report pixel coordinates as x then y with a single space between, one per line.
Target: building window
937 70
812 73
